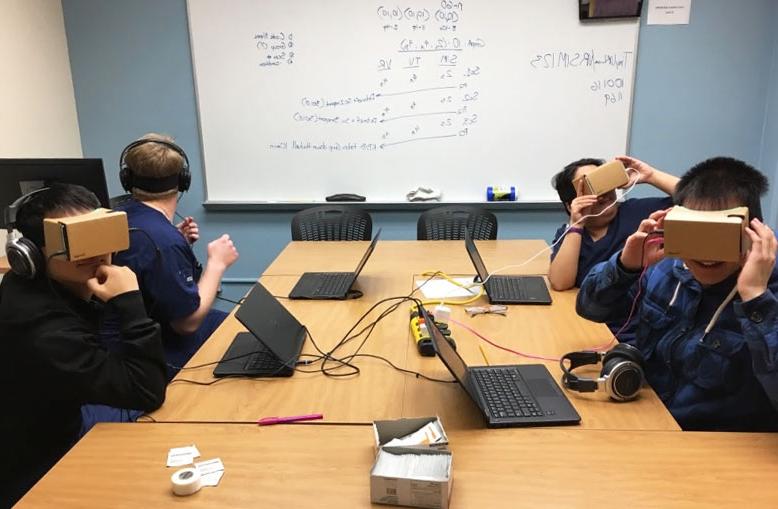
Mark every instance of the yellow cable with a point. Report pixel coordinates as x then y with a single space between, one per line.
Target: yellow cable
454 282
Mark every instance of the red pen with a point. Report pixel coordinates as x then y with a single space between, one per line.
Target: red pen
267 421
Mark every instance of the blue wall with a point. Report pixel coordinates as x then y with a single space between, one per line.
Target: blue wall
768 161
701 90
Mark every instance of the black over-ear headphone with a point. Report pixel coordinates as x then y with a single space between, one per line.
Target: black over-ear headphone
24 256
129 179
621 376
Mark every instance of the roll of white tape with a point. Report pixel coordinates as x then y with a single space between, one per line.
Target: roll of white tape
186 481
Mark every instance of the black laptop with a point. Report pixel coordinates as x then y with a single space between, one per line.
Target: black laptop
507 289
508 396
330 285
272 345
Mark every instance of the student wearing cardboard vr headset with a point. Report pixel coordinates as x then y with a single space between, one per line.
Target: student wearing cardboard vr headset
60 287
707 313
587 187
178 293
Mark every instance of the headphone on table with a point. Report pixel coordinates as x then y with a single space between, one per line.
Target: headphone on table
24 256
621 376
182 180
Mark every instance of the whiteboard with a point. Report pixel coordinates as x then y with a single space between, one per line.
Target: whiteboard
298 99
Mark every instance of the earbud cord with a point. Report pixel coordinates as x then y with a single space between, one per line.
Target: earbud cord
718 312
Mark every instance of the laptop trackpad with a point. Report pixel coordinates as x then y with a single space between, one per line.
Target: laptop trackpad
542 388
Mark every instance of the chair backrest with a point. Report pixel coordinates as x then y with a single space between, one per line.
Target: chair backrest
332 222
115 201
449 222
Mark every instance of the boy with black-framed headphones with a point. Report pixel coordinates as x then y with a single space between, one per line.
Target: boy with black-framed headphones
51 358
178 292
707 328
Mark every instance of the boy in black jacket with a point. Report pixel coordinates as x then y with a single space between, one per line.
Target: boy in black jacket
51 361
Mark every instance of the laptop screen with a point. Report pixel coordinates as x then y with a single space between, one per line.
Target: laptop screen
272 324
475 257
446 352
367 254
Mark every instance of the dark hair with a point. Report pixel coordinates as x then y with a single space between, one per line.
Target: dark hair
723 182
563 181
57 199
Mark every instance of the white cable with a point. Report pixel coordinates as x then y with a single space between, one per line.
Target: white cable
718 312
675 295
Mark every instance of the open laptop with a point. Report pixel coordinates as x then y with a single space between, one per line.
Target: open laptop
508 396
507 289
272 345
330 285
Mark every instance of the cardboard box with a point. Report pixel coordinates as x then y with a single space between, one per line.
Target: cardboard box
386 431
717 235
417 491
87 235
422 488
604 178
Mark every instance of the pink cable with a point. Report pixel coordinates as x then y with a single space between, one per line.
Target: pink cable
520 354
607 345
603 346
634 301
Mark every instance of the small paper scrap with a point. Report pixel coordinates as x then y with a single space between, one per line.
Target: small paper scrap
178 456
211 471
430 433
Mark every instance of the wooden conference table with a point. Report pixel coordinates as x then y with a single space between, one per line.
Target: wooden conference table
379 391
4 266
123 465
622 454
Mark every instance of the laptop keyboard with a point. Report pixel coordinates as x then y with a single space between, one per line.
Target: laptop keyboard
264 362
333 283
507 288
502 390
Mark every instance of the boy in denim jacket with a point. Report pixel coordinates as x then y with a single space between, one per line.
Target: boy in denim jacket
713 371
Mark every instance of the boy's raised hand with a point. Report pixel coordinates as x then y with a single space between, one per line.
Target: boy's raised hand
644 170
759 261
110 281
222 252
189 229
633 252
580 205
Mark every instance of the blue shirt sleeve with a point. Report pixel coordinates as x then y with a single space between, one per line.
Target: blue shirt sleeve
173 285
165 264
759 319
607 291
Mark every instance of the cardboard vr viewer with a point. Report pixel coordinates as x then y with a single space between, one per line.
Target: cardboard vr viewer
604 179
706 235
95 233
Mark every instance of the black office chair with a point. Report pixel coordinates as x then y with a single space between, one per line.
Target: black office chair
332 222
449 222
115 201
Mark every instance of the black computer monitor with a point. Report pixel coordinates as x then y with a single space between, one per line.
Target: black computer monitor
603 9
21 176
